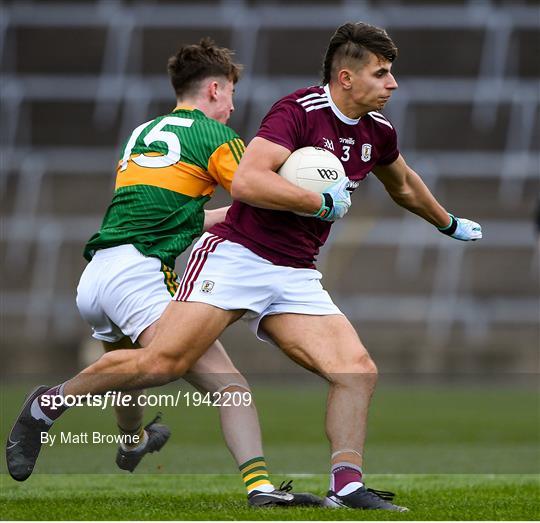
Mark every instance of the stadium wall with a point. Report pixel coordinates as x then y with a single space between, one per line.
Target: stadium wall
77 77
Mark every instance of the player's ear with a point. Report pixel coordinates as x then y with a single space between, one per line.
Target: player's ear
213 88
344 78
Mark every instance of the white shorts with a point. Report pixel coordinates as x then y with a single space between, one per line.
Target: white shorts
122 292
230 276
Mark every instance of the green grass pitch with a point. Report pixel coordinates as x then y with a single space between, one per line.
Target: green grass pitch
450 453
208 497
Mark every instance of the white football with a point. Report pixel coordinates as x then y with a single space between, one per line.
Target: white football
312 168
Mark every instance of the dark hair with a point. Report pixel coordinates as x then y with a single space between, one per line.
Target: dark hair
193 63
352 40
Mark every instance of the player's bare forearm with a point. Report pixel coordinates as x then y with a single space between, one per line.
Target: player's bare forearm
266 189
256 182
213 216
417 198
408 190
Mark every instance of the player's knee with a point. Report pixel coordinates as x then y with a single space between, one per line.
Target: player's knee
357 366
217 382
364 369
230 382
235 387
365 365
233 380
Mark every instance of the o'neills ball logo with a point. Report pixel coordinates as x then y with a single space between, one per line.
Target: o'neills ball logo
366 152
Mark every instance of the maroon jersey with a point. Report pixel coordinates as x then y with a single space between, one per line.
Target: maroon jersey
303 118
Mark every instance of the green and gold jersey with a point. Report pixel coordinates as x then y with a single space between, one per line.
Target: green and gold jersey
169 169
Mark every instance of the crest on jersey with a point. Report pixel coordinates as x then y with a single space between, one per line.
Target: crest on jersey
207 286
366 152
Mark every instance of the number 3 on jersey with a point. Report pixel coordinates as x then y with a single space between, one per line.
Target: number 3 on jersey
156 134
346 154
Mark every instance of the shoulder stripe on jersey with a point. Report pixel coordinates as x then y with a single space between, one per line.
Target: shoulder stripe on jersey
377 114
236 146
315 101
234 150
308 96
378 117
315 107
240 144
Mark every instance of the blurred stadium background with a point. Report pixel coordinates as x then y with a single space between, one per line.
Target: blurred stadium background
78 76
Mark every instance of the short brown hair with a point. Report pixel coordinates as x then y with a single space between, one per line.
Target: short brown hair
352 40
193 63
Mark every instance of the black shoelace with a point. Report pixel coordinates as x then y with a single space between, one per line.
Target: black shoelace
157 419
286 486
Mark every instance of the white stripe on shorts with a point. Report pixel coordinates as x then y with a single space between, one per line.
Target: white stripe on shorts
194 266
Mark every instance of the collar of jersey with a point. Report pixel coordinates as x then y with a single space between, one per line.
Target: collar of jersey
184 108
336 111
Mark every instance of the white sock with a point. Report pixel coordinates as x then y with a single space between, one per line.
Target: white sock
263 488
350 487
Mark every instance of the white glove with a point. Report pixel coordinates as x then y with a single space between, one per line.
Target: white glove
462 229
336 201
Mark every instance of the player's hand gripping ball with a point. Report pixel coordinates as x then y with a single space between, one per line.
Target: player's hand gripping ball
336 202
318 170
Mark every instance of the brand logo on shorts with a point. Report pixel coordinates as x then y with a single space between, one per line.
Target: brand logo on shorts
207 286
366 152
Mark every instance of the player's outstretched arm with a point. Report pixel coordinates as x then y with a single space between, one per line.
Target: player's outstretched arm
257 183
408 190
